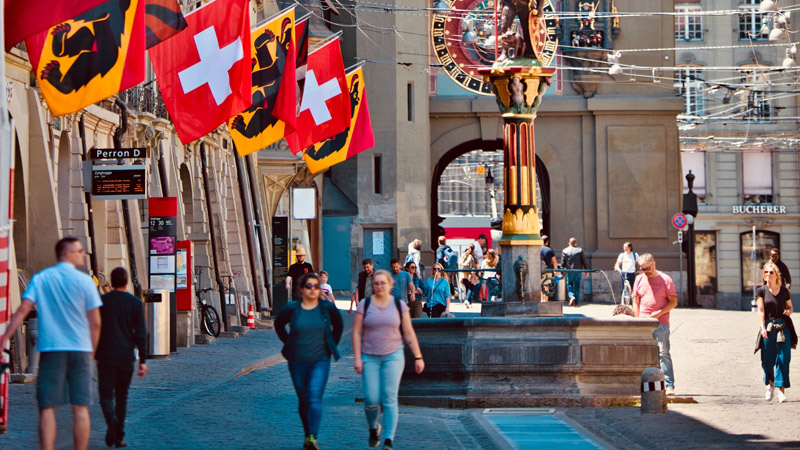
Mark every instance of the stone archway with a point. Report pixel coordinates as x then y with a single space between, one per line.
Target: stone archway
542 176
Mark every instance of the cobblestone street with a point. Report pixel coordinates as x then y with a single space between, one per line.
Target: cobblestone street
196 400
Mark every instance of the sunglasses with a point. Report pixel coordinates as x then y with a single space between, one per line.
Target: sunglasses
311 286
412 267
769 272
646 269
436 269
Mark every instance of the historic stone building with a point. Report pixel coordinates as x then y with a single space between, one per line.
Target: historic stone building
739 137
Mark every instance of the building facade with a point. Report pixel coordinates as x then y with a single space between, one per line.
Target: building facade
739 138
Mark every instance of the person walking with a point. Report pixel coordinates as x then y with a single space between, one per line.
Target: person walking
777 331
549 261
448 258
572 258
489 278
415 305
786 278
325 288
627 265
654 297
68 308
315 328
379 327
364 286
469 262
402 285
296 271
437 291
123 330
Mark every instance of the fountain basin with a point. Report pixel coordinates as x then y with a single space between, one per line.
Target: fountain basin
567 361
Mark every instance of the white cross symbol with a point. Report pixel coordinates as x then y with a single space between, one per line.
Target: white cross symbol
213 66
315 96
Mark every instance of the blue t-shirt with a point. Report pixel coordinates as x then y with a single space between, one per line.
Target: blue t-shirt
400 288
437 291
63 295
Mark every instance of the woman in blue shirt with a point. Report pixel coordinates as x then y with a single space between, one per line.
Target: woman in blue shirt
437 291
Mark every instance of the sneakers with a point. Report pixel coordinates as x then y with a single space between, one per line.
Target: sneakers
572 301
781 397
310 443
387 445
670 391
768 394
374 436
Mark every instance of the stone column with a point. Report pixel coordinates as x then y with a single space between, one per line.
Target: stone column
519 90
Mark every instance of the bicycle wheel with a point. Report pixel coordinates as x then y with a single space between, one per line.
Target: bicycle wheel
549 287
210 321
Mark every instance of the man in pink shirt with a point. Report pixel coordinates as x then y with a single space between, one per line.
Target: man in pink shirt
654 296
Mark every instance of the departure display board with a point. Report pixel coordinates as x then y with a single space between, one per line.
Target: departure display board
119 182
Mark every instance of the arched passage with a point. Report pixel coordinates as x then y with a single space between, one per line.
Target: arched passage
542 178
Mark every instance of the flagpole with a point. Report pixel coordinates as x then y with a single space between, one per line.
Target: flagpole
355 66
6 165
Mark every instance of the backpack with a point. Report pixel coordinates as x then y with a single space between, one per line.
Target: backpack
368 300
409 258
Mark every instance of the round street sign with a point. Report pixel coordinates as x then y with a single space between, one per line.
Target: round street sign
680 221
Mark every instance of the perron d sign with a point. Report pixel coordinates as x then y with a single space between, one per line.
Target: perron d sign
759 209
115 153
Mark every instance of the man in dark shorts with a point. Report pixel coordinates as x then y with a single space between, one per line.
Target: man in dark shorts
67 305
296 271
123 329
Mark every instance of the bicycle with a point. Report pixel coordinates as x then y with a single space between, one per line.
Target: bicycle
209 317
550 284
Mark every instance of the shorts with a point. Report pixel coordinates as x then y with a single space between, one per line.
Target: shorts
62 374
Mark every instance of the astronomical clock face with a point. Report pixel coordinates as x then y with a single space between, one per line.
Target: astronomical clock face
464 40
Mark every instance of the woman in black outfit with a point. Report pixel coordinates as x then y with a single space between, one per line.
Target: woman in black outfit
315 328
774 309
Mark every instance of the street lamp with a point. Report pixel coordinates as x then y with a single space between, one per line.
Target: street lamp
690 208
492 192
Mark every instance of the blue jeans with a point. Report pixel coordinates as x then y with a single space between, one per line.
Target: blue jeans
309 379
381 376
574 286
775 358
661 335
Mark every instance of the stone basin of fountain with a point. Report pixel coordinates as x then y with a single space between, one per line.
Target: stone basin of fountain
529 361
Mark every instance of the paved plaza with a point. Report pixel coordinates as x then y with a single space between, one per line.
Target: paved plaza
236 394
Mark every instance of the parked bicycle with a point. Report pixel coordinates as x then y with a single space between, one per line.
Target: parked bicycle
209 317
550 284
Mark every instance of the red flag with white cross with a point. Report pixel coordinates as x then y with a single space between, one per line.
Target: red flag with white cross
203 72
325 103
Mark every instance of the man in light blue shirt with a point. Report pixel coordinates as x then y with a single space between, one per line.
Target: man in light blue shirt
67 305
403 287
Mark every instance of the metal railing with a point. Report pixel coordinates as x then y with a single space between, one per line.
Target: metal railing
145 98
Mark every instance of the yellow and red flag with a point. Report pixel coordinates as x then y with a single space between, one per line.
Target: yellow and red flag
91 56
353 140
25 18
273 112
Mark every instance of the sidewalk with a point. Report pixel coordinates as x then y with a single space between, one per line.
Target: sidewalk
195 400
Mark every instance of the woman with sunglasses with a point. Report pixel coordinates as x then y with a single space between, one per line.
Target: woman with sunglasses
379 327
415 307
437 290
777 333
315 328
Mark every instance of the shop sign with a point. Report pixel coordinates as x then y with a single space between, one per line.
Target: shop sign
759 209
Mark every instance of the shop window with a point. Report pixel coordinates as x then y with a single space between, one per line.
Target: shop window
757 176
754 258
705 262
688 23
696 163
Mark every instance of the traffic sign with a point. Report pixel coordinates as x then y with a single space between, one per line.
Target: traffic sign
680 221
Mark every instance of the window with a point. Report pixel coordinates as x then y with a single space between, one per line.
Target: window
705 262
690 86
757 176
757 106
753 259
688 24
753 24
696 163
376 174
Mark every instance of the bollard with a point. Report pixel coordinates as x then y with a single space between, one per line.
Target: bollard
654 394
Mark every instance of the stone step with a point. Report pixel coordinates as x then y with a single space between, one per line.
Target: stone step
203 339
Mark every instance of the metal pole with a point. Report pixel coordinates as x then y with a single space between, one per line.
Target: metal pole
754 303
212 230
162 171
126 213
680 249
87 195
259 226
248 229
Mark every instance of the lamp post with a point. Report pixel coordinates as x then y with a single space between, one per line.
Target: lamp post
690 208
492 192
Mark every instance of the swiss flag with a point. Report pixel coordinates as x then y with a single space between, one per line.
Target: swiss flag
204 71
325 103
